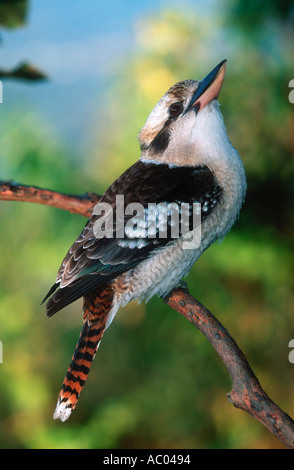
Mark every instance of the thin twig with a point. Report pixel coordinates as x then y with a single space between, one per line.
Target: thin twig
247 393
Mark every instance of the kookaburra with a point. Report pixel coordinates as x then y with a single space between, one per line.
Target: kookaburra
186 157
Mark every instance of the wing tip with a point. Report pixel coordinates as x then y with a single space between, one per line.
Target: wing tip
51 291
65 295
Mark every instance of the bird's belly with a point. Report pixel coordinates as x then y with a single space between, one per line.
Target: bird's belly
159 274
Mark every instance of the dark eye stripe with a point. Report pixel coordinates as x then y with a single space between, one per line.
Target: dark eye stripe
160 142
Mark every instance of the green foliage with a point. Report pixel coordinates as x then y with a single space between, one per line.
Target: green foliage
251 15
24 71
156 382
13 13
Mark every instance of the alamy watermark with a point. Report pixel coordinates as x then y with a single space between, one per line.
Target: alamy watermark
133 224
291 353
291 94
1 101
291 342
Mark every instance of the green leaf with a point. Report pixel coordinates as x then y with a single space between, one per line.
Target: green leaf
13 13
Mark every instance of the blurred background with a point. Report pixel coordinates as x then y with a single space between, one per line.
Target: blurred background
156 381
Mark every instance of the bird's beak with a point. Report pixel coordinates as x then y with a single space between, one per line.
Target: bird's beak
208 88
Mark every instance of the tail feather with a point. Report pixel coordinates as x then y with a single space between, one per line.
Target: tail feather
97 308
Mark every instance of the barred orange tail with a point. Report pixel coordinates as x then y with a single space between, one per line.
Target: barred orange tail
97 307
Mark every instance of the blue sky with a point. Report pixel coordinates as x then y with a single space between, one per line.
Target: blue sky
80 46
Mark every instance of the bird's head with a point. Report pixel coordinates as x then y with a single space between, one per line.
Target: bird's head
186 126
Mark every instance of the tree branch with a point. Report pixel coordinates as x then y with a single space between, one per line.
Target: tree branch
247 393
83 205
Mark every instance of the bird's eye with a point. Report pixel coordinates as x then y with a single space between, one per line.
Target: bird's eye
175 109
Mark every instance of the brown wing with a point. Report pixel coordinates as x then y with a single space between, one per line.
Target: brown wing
93 261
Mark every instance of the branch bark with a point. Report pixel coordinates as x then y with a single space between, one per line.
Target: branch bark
83 205
247 394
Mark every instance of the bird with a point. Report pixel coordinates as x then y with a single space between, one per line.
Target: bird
186 160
